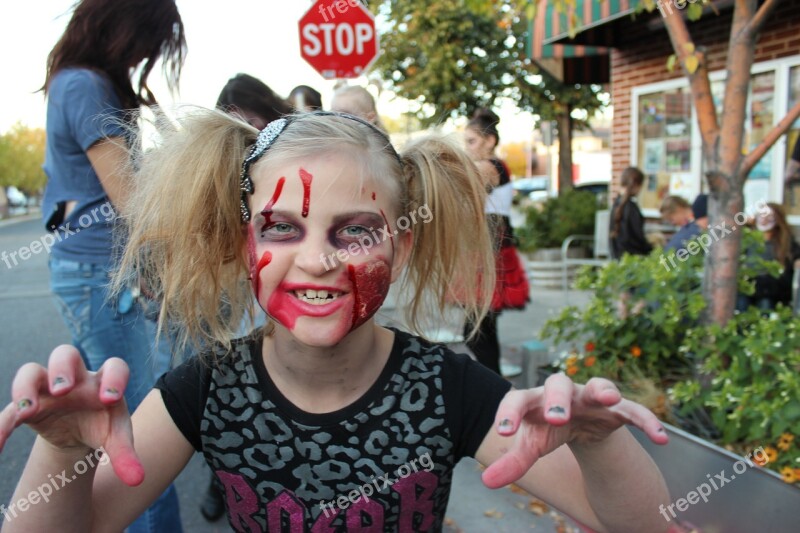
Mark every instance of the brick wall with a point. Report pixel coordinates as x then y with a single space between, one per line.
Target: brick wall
641 59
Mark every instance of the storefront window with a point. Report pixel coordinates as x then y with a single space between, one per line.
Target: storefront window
791 195
664 145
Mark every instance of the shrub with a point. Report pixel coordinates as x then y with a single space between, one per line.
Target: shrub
568 214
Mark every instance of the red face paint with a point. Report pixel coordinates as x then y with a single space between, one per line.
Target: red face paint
251 253
285 307
267 211
370 283
388 227
306 178
364 289
373 196
263 262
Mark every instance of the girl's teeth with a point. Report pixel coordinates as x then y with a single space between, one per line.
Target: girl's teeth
310 293
322 294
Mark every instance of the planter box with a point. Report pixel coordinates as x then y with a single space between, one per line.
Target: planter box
755 500
544 266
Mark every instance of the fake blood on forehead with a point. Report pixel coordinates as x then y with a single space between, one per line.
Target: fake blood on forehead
306 178
267 211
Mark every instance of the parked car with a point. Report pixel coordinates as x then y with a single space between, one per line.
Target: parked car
598 188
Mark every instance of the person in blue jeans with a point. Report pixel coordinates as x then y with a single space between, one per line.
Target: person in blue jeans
90 92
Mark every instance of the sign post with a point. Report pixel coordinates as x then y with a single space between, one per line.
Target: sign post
338 38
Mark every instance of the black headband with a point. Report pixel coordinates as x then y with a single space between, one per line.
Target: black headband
268 136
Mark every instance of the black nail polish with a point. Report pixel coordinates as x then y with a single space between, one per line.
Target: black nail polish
59 381
557 410
505 424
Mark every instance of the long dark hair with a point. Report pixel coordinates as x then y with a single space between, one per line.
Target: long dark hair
781 234
251 94
630 178
484 122
113 37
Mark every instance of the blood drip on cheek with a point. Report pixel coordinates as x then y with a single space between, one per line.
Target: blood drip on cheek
262 263
306 178
370 285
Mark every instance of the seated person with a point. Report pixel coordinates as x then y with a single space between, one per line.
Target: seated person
678 212
700 211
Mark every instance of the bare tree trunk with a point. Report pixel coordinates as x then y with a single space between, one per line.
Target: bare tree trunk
565 151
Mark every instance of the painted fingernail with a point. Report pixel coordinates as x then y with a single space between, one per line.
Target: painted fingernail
661 430
23 404
505 424
112 392
59 382
557 410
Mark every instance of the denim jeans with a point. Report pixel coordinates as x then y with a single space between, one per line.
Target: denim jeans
102 328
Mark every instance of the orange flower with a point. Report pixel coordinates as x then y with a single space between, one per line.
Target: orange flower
787 472
785 441
772 454
589 361
571 360
636 351
589 347
797 473
760 461
572 370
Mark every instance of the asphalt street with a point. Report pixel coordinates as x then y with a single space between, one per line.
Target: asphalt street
32 327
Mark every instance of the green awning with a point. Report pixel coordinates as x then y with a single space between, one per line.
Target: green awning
574 62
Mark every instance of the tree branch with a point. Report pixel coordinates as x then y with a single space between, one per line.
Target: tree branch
774 134
700 84
761 16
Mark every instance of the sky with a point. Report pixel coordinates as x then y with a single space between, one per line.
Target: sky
258 37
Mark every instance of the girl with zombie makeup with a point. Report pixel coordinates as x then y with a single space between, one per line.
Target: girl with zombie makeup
323 420
779 246
511 290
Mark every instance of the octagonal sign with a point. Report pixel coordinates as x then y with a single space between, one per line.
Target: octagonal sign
338 38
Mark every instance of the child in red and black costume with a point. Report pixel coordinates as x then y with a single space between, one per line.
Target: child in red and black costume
511 291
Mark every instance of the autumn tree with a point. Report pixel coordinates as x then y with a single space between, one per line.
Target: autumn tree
21 159
452 56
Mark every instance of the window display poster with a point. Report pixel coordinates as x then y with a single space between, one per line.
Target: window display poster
653 156
681 184
655 190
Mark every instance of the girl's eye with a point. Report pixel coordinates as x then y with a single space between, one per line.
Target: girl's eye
354 231
280 231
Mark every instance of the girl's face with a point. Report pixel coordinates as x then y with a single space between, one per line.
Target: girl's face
478 146
323 248
765 220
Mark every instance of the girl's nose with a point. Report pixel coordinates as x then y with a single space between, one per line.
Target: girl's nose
318 257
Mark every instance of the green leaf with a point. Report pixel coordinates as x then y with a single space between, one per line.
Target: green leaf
694 12
671 60
691 63
689 48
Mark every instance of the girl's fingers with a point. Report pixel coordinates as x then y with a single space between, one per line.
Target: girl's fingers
119 447
29 383
602 392
113 378
513 464
558 393
65 369
515 405
8 417
641 417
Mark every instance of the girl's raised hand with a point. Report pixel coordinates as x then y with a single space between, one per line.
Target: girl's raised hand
562 412
70 407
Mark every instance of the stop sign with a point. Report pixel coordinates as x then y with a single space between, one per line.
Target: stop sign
338 38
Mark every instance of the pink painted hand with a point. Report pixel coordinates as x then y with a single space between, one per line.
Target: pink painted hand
562 412
71 408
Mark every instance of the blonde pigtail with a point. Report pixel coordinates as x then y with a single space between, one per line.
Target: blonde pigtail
185 243
452 258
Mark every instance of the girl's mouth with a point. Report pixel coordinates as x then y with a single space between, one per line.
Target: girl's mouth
317 297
